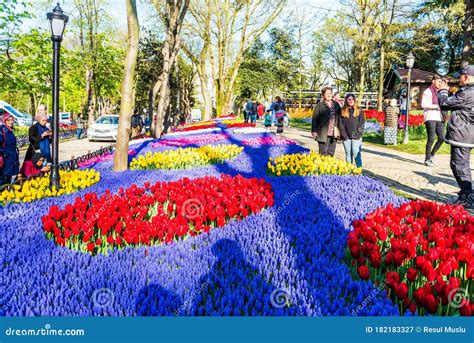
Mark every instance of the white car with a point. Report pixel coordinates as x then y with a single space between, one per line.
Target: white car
21 119
104 128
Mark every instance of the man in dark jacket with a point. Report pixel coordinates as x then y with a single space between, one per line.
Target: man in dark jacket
460 133
137 124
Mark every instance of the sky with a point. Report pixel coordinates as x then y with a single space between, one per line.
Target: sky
117 10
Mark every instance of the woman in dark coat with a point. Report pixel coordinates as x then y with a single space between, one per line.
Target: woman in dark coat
351 126
39 136
325 120
9 151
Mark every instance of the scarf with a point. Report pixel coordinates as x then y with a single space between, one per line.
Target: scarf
434 95
44 143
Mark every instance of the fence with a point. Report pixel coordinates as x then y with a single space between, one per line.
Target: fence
68 165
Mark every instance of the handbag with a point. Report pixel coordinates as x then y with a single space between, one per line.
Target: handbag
2 160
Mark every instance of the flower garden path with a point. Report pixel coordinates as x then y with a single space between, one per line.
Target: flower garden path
402 171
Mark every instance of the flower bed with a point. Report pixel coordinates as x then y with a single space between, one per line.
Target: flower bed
232 121
38 188
422 251
240 125
310 164
102 158
379 116
251 130
186 158
268 140
193 127
159 213
201 139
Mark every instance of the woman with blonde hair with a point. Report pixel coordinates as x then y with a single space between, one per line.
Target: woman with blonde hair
351 126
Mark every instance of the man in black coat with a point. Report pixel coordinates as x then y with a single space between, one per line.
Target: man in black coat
460 133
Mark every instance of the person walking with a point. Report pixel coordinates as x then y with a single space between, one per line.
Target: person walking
433 120
39 136
460 133
79 126
137 124
325 122
403 103
260 110
10 165
248 113
351 127
391 123
278 109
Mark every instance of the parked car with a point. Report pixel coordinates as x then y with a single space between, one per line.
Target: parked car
64 118
104 128
21 119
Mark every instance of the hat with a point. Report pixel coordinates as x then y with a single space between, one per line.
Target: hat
6 116
36 157
466 70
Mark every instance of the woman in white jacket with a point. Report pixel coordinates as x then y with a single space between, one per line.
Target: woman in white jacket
433 119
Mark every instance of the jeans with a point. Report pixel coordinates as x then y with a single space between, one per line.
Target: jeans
327 148
79 133
461 168
353 148
434 128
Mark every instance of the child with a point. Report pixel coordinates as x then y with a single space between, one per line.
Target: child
268 120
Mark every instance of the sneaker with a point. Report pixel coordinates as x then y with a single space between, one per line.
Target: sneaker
432 160
429 163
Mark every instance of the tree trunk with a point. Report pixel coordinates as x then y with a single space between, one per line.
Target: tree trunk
381 78
467 41
206 95
33 104
126 105
87 106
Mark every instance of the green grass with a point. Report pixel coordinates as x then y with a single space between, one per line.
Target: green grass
300 124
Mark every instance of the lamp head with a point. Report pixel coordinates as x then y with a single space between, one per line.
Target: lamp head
57 21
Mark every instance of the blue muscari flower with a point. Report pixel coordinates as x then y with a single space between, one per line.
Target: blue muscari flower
299 246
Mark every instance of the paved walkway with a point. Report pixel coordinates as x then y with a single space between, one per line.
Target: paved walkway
402 171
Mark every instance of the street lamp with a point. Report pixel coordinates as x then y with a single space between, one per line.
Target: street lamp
409 62
57 21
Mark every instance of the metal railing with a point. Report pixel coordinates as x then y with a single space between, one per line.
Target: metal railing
68 165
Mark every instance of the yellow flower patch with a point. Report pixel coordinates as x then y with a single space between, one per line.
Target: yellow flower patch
38 188
187 157
310 164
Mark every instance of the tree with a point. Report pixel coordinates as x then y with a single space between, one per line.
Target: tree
234 26
126 105
175 10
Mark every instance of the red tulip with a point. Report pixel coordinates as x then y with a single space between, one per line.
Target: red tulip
401 290
412 274
364 272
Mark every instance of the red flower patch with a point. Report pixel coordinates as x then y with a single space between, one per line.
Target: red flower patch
159 213
422 251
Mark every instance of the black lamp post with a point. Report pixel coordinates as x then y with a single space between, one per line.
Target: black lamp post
409 62
57 20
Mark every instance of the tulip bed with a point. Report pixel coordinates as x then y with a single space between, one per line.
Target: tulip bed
275 258
38 188
157 213
310 164
186 158
422 251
